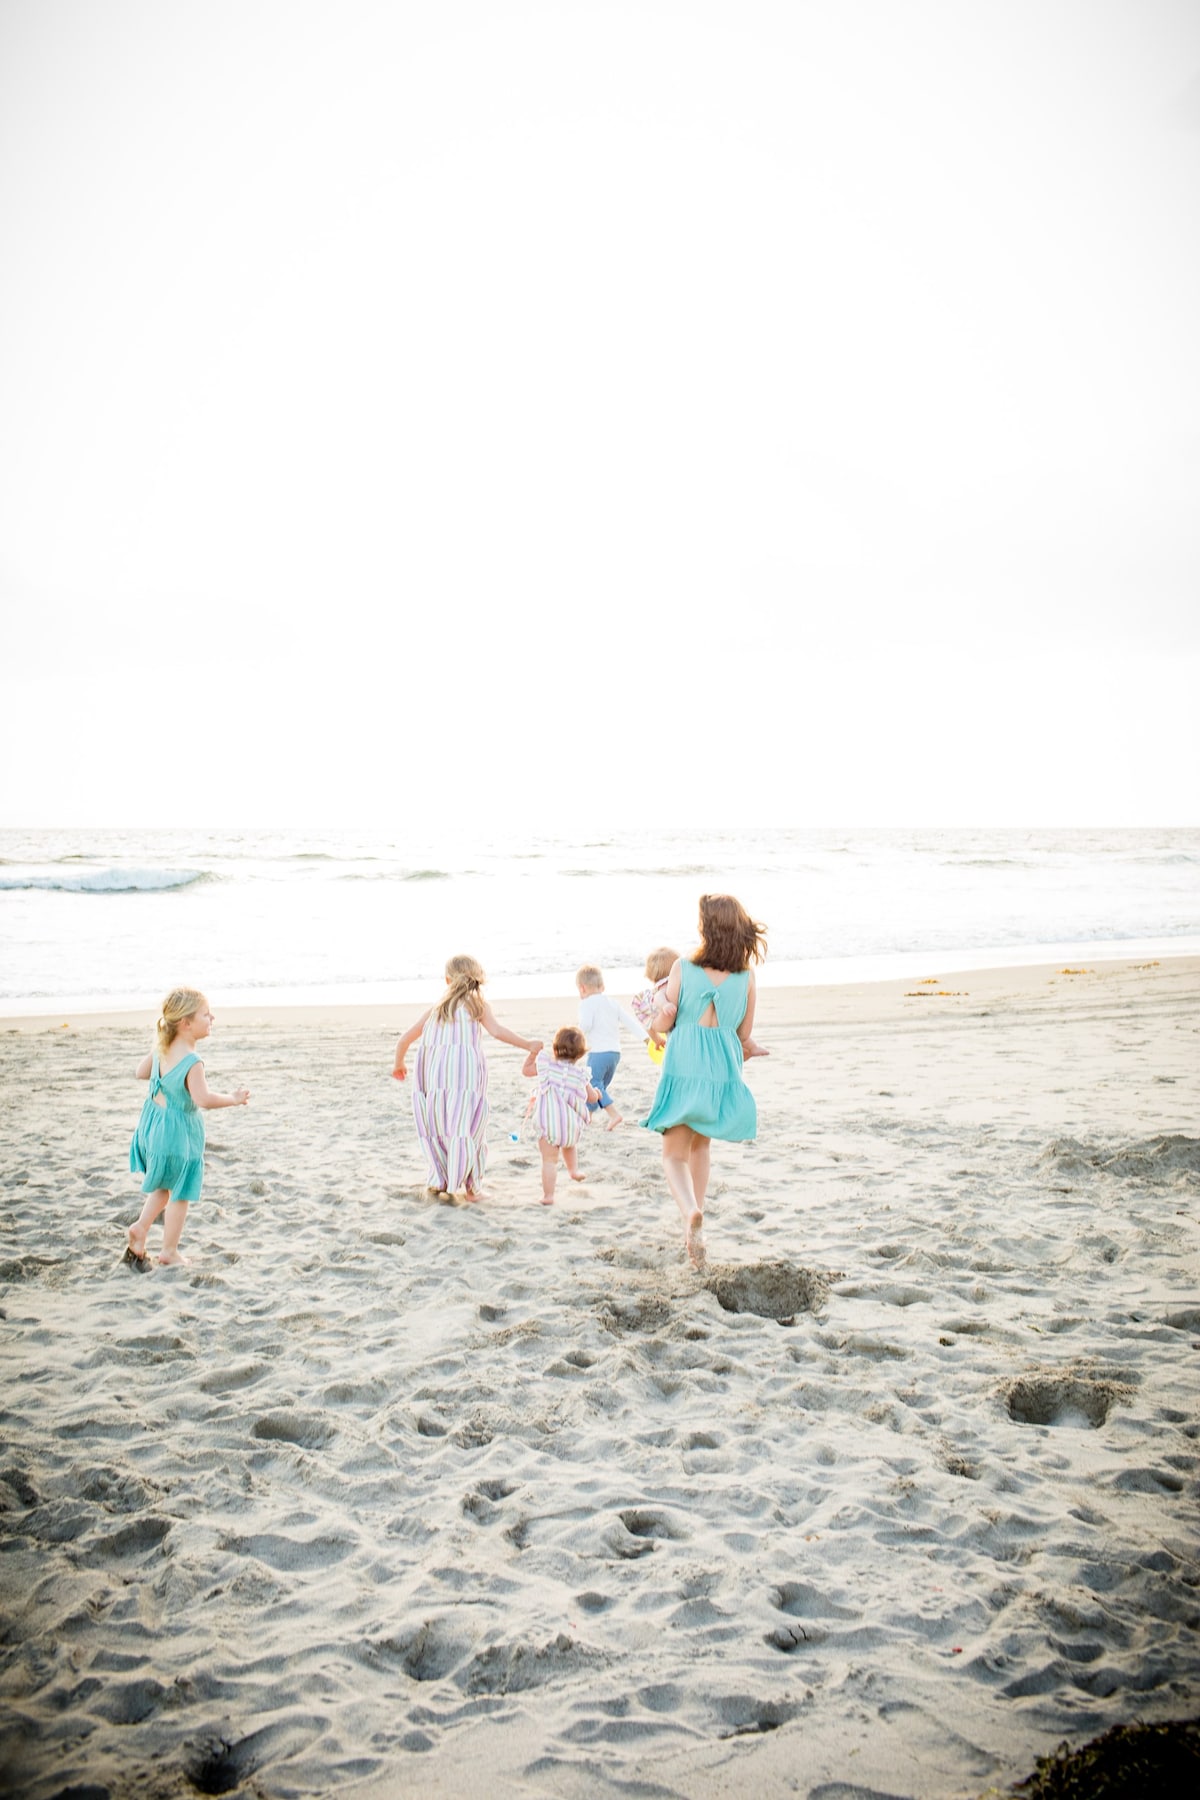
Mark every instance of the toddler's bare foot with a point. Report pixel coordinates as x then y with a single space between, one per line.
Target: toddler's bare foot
547 1199
612 1120
579 1178
169 1262
694 1240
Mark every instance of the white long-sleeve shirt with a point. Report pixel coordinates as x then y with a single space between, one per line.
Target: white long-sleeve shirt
600 1020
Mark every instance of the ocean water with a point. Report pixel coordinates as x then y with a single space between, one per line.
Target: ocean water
96 919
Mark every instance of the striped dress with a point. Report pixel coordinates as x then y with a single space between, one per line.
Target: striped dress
560 1108
450 1103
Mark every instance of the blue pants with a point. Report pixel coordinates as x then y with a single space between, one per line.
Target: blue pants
603 1064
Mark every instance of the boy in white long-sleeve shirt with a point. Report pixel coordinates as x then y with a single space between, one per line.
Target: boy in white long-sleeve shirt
600 1020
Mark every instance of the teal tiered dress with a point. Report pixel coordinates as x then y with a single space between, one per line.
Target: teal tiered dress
701 1083
168 1145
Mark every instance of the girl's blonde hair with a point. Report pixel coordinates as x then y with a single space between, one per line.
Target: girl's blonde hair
179 1005
464 978
660 962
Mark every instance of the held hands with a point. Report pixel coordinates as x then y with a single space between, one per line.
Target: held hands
529 1066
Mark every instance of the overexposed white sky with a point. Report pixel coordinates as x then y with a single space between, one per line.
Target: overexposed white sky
607 411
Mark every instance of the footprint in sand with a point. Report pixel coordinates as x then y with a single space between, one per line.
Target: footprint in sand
218 1767
309 1430
773 1290
1064 1399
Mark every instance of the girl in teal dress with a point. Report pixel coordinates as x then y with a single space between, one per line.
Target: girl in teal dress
707 1010
168 1145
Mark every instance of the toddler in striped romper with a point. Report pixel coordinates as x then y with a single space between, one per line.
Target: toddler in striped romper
560 1103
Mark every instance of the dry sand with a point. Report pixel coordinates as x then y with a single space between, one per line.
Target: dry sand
383 1496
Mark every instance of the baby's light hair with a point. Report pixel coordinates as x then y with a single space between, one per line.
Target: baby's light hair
464 978
569 1044
660 962
179 1005
589 977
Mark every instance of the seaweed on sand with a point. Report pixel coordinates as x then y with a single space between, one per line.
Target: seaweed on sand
1130 1762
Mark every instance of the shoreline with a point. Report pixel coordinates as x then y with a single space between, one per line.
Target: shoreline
784 1004
361 998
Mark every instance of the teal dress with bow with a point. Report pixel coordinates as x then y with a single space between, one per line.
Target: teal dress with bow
168 1145
701 1083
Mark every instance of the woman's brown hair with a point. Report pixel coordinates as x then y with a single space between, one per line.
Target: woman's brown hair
729 938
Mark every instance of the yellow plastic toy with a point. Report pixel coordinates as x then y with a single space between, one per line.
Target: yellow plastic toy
654 1051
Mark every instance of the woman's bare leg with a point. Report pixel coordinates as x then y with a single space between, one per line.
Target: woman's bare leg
686 1166
699 1162
677 1148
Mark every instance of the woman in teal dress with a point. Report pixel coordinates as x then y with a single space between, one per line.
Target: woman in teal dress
707 1015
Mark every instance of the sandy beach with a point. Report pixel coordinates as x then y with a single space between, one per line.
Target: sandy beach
383 1496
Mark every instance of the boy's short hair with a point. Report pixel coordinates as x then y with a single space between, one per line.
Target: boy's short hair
589 976
660 962
569 1044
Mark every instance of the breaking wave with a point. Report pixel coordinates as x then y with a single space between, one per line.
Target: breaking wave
104 881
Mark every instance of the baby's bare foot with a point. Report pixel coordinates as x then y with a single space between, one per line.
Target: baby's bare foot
579 1178
547 1199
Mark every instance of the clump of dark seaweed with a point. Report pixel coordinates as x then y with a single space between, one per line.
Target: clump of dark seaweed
1130 1762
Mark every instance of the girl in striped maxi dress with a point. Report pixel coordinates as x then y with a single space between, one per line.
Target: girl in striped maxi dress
560 1103
450 1104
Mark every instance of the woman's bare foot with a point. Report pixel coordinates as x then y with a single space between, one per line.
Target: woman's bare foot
169 1262
136 1241
473 1195
694 1240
